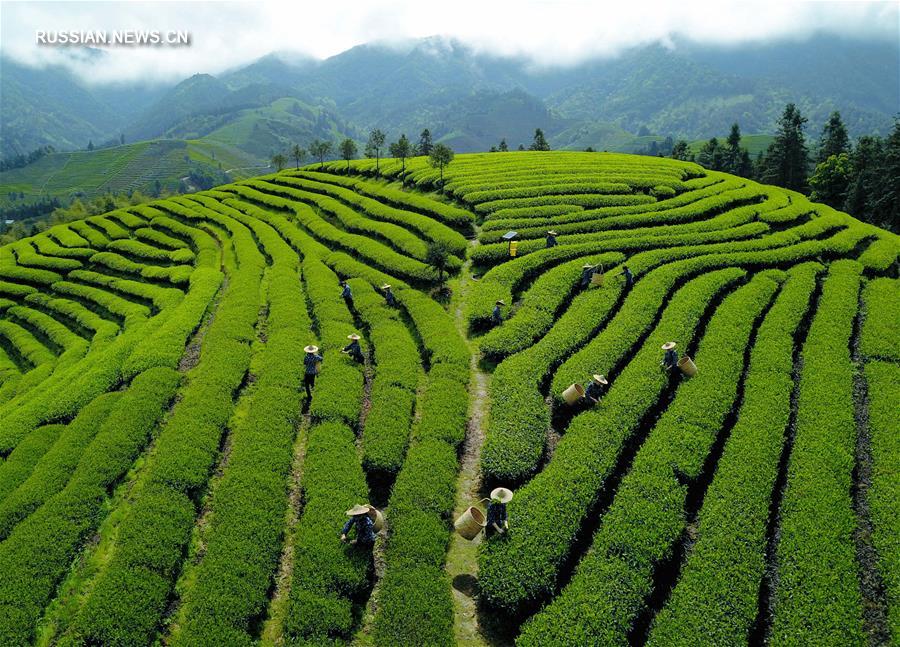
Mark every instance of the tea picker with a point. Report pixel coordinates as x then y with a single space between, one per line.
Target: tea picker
497 517
670 359
353 349
551 239
587 271
595 389
347 293
388 295
311 368
361 520
629 277
497 315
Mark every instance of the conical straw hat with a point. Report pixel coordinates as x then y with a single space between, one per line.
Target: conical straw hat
551 232
587 266
311 349
501 495
357 509
354 337
669 345
501 302
599 379
386 286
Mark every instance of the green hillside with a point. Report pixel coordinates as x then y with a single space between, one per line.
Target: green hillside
169 473
120 169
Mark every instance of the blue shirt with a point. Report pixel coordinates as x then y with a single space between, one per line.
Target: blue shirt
593 390
496 514
629 277
586 275
389 297
346 293
496 317
551 241
671 358
354 349
310 362
365 528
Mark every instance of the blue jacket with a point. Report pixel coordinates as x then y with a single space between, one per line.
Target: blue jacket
365 528
670 360
551 241
389 297
310 361
496 514
346 292
586 276
496 316
593 390
629 277
355 351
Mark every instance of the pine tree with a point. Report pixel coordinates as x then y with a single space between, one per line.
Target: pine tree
540 142
680 150
866 180
787 157
425 144
712 156
887 204
733 149
834 139
503 148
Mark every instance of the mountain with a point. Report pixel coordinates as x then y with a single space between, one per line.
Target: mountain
468 98
41 106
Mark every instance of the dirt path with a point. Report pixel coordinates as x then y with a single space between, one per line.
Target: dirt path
470 627
273 627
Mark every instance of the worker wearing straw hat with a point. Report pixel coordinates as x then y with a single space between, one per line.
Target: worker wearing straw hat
347 293
551 239
497 315
353 348
595 389
311 368
497 518
587 270
670 359
388 295
365 527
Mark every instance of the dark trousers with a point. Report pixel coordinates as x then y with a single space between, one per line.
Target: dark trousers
309 381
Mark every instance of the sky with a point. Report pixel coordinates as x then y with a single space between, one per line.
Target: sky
225 35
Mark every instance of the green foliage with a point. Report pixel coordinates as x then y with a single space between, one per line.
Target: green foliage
547 513
646 517
36 555
817 517
883 380
717 593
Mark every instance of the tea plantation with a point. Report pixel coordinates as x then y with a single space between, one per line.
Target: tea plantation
164 478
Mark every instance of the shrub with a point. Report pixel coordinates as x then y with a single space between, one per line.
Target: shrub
547 513
36 555
646 517
817 517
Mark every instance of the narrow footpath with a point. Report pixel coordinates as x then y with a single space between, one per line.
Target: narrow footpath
470 627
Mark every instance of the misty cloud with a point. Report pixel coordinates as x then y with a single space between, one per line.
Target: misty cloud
225 35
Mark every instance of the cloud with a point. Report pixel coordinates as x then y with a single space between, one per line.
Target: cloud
228 34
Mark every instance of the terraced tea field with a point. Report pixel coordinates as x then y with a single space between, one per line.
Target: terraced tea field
165 479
